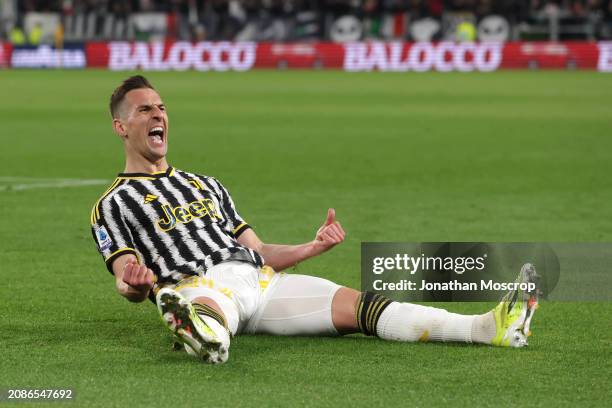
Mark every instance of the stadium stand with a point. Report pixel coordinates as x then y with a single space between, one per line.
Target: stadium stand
50 21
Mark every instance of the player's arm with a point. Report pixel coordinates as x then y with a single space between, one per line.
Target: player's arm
114 240
132 280
280 257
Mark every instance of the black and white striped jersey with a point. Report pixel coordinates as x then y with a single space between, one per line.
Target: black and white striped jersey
178 224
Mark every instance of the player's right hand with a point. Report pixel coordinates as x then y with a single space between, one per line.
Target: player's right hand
138 276
329 235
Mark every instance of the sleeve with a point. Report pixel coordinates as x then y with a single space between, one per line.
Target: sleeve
110 232
235 223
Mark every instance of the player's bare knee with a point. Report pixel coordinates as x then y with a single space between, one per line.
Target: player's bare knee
344 310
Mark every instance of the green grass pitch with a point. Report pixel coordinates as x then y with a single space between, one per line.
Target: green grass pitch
507 156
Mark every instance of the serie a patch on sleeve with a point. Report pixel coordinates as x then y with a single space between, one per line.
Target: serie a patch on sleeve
104 240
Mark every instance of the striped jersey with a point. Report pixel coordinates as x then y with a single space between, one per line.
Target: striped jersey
178 224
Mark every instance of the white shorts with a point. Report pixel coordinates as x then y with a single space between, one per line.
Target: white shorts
256 300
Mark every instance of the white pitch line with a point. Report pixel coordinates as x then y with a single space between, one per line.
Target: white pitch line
49 183
8 179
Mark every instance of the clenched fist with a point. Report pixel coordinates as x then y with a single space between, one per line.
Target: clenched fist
138 276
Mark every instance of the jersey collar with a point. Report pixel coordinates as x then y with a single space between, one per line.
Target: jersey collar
149 176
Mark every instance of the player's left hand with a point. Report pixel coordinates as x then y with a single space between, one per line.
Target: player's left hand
330 234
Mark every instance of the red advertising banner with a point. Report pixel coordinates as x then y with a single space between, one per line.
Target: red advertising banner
5 53
353 57
441 56
547 55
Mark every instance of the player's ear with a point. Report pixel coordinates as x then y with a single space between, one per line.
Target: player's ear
119 128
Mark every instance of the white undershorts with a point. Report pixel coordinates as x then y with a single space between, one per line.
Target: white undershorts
259 300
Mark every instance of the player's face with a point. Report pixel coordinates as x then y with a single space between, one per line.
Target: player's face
144 122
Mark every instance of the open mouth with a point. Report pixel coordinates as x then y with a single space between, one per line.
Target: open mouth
157 134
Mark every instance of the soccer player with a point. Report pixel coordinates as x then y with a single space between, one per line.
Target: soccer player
177 238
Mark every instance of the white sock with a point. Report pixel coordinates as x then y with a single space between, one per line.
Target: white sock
483 329
410 322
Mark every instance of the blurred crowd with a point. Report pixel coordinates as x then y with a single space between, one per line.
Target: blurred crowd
434 8
291 20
